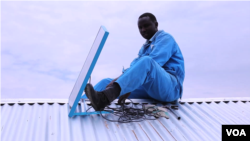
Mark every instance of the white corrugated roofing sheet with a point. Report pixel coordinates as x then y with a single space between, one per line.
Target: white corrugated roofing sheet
47 120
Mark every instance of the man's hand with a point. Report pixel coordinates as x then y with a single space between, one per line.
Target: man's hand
123 98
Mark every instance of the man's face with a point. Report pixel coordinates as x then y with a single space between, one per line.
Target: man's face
147 27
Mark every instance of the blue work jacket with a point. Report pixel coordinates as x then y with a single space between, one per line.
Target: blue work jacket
165 51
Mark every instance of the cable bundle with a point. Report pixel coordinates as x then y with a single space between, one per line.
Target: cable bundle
129 113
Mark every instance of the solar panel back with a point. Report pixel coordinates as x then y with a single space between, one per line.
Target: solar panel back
87 69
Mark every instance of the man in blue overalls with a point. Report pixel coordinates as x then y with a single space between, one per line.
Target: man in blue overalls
158 71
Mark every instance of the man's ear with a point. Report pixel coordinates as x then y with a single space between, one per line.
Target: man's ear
156 24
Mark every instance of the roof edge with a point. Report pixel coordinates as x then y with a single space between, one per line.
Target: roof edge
215 99
33 100
134 100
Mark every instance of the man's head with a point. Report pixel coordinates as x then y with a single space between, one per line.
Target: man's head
147 25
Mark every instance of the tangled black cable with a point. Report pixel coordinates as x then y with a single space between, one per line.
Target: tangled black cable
128 113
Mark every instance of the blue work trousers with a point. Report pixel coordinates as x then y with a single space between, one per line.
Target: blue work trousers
145 80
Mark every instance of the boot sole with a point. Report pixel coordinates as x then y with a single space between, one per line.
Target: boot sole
88 91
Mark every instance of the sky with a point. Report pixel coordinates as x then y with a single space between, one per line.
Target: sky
44 44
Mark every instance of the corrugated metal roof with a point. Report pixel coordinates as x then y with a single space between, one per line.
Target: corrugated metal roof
47 120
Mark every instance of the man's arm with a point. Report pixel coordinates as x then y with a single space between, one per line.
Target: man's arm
164 48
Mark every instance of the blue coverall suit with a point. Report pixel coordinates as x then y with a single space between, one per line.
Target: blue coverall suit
158 71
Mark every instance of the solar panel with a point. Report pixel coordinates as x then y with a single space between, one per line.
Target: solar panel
87 69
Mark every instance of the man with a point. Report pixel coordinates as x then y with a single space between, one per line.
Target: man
158 71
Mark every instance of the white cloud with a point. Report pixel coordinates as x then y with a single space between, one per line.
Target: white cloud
44 44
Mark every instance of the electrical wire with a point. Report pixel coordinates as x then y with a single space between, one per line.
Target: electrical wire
129 113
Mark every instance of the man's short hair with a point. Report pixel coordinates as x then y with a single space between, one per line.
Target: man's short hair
150 15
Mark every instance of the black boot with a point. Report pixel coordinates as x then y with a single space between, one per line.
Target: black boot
100 100
112 92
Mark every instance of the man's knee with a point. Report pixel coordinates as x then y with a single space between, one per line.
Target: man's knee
144 62
146 59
